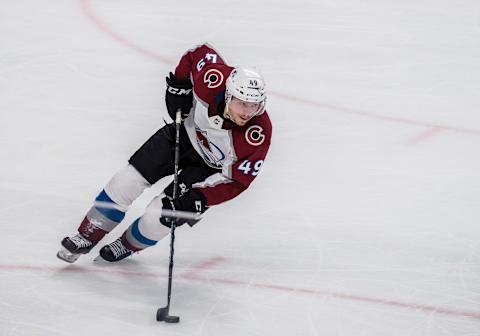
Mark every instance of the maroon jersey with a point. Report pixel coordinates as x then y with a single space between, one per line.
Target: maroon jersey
237 151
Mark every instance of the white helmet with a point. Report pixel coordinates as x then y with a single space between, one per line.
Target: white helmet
246 84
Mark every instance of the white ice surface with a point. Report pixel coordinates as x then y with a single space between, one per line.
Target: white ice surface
364 221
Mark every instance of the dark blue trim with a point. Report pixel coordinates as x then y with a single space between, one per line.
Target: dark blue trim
220 97
112 214
138 236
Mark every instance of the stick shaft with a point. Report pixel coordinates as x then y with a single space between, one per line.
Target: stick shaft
178 121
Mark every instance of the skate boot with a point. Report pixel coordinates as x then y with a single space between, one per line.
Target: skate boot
115 251
73 247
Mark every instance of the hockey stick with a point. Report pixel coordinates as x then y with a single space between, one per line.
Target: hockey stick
163 313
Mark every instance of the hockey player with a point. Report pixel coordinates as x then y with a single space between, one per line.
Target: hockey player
224 140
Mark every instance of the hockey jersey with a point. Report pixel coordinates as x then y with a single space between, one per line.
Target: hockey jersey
237 151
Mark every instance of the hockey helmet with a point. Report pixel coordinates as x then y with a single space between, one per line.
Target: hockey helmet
246 84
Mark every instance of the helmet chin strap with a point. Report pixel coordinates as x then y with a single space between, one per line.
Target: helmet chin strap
226 114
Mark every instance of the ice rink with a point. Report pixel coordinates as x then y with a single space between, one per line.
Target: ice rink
363 222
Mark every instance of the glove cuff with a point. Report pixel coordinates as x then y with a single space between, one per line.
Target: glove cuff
174 81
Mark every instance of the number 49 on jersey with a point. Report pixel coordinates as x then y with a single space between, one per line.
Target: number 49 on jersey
246 167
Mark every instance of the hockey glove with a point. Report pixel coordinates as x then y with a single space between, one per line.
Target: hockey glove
179 95
192 201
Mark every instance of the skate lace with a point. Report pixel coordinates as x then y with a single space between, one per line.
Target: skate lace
80 241
118 248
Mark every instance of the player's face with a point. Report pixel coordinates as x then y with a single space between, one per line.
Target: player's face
240 112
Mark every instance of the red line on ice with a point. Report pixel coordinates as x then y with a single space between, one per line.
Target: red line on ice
193 275
89 13
425 135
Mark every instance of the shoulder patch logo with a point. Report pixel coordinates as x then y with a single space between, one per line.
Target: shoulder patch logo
213 78
254 135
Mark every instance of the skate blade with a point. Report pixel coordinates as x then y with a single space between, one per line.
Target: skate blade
67 256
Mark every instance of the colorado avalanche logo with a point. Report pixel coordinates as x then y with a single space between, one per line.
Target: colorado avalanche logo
213 78
254 135
212 154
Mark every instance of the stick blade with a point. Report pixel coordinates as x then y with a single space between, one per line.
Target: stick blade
162 315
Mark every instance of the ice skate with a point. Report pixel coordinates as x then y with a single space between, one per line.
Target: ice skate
73 247
115 251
